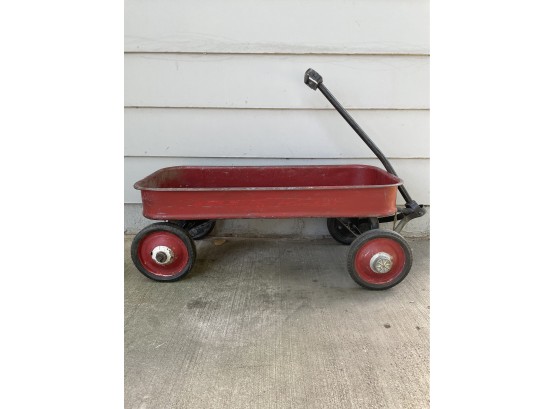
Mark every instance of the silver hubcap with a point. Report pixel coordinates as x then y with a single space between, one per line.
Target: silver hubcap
162 255
381 263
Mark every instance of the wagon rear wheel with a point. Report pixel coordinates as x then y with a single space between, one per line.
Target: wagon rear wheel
379 259
346 230
197 229
163 252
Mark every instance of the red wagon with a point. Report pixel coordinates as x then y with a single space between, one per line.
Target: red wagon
354 198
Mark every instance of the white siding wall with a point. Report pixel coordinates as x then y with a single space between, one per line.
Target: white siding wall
220 82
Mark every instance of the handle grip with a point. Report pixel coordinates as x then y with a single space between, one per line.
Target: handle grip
312 79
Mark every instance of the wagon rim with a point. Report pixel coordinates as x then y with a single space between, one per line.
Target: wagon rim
154 244
380 260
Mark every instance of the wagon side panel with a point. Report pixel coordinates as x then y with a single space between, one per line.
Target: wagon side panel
231 204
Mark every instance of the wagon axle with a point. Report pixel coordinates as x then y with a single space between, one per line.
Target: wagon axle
162 255
381 263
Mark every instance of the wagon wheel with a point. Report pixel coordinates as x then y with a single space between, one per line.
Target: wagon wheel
198 229
346 230
379 259
163 252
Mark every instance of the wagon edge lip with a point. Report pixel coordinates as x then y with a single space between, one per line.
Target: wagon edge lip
137 185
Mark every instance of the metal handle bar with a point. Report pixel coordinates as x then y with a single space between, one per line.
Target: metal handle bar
315 81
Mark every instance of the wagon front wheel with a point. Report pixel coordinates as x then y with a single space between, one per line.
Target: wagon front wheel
379 259
163 252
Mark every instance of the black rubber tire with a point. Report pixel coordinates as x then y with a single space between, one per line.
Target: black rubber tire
371 235
197 229
181 233
342 235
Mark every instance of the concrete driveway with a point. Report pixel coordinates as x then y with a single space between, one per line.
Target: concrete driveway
276 323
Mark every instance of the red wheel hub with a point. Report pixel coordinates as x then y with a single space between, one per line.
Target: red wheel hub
171 266
363 260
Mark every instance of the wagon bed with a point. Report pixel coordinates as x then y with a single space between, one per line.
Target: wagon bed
193 193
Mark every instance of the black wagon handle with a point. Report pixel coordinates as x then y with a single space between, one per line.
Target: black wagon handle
316 82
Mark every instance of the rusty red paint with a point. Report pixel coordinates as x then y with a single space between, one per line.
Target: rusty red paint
268 192
163 238
369 249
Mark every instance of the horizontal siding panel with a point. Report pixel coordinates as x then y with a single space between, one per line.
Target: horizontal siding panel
286 26
414 172
272 133
275 81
